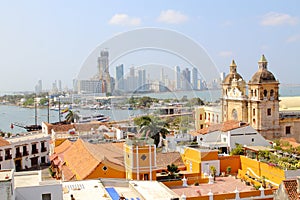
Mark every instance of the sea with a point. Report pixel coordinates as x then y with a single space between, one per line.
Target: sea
26 116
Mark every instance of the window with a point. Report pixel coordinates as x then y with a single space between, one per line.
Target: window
46 196
252 139
272 93
253 120
253 112
265 93
224 139
234 114
200 117
269 112
205 115
201 126
104 168
287 130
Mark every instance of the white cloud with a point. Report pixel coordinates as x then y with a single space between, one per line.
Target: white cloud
124 20
276 19
225 53
172 17
293 38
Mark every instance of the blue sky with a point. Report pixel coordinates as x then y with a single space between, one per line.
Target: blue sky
50 40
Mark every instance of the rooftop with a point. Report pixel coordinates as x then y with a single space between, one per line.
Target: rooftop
89 189
27 137
153 190
221 185
31 178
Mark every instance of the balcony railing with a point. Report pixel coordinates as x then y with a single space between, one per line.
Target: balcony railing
44 149
34 151
8 157
18 155
25 153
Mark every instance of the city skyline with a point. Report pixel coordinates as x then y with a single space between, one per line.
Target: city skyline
50 40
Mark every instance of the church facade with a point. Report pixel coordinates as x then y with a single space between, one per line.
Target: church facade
257 104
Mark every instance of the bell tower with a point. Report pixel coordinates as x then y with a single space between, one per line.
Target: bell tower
234 99
263 103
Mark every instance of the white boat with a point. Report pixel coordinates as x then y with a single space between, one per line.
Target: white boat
97 117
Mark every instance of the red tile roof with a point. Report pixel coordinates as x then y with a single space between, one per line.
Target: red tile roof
226 126
82 158
3 142
165 159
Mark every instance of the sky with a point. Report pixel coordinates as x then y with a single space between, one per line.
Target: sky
50 40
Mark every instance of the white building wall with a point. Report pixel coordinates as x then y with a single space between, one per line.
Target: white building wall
205 166
35 192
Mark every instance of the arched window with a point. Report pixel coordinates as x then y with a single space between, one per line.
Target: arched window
265 93
255 92
234 114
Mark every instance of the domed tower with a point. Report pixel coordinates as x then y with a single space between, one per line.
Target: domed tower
234 99
263 104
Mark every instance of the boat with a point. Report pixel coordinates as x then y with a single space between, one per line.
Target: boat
96 117
29 128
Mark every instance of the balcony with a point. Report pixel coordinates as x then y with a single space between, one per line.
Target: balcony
35 151
44 149
8 156
18 155
25 153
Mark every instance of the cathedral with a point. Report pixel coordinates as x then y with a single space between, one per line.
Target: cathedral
256 103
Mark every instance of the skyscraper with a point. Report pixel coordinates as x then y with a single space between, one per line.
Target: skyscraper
103 66
177 78
120 77
186 79
142 79
194 78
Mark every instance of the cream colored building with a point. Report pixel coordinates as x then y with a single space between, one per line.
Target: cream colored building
260 108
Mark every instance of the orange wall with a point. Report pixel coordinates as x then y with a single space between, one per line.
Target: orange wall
211 155
233 161
59 141
113 171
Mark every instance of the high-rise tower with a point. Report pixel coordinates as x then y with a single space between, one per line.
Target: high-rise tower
103 65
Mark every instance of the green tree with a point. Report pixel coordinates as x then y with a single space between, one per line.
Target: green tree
213 171
195 102
172 169
151 126
238 150
72 116
29 102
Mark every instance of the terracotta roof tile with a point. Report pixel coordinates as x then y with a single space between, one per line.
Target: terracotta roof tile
165 159
67 173
63 147
291 189
224 127
3 142
83 158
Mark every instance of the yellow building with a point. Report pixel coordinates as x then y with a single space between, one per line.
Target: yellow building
140 159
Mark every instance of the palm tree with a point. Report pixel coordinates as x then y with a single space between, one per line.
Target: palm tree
153 127
72 116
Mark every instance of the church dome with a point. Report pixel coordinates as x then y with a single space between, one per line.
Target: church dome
262 75
233 74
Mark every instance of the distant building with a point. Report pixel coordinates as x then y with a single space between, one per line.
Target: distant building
142 80
103 66
186 79
177 78
89 86
195 78
39 87
120 77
